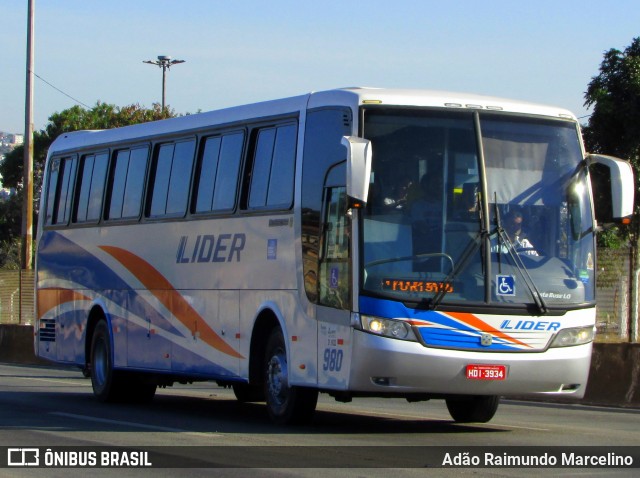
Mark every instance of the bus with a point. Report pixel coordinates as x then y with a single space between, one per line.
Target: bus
355 242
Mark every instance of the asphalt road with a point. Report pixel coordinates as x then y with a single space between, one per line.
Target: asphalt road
204 426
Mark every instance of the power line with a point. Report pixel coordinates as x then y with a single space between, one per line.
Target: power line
59 90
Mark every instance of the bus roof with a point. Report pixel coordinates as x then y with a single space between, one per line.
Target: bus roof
350 97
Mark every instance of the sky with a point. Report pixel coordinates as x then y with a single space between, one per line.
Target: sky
239 52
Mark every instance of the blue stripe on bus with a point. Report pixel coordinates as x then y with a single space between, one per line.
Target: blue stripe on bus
444 332
63 260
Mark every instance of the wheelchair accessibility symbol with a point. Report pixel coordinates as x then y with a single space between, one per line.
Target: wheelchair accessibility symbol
334 278
505 285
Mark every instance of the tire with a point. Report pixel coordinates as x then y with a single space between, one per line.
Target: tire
285 404
474 409
107 384
111 385
248 393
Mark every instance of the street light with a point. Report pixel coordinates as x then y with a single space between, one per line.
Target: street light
164 62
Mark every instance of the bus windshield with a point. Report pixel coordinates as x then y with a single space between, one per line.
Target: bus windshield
476 207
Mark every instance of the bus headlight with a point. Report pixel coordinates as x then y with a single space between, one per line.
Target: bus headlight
395 329
574 336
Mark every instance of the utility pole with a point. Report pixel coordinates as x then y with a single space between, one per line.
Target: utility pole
27 173
164 62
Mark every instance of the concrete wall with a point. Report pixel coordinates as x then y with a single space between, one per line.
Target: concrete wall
615 368
16 345
614 376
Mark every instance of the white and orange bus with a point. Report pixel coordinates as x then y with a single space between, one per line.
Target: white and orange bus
355 242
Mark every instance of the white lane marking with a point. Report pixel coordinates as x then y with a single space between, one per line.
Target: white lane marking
427 417
134 424
79 381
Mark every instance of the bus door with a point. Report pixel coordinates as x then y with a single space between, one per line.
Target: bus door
334 284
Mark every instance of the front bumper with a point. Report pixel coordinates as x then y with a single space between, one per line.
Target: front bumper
388 366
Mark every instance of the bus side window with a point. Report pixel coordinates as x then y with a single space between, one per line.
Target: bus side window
170 178
60 188
217 173
92 174
126 183
273 168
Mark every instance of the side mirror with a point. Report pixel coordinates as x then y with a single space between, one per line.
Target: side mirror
358 169
613 185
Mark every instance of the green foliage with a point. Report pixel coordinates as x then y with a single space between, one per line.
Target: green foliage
11 218
10 254
612 238
10 228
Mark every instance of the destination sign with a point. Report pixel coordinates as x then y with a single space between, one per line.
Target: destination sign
412 285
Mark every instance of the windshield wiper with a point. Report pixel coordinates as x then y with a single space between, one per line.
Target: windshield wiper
503 238
465 257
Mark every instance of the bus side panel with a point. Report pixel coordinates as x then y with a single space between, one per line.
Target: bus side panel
190 352
70 333
298 329
335 344
148 346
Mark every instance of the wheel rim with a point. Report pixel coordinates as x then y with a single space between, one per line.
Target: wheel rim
277 381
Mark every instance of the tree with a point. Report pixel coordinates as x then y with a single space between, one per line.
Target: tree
101 116
615 97
614 125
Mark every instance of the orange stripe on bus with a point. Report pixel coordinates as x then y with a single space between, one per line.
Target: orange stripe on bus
162 289
48 299
483 326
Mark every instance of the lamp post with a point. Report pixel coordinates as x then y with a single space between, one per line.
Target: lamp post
164 62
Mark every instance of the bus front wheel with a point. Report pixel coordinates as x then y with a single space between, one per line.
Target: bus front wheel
473 409
285 404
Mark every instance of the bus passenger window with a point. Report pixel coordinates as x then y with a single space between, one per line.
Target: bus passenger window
127 182
170 178
92 177
217 173
61 179
273 168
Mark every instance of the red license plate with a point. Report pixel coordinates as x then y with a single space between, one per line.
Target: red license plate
486 372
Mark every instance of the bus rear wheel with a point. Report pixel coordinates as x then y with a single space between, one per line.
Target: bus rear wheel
473 409
285 404
110 385
107 384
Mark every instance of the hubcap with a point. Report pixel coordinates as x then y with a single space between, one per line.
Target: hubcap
278 384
